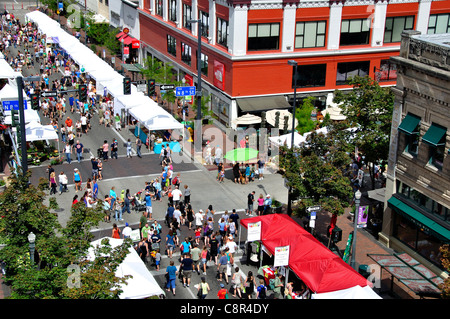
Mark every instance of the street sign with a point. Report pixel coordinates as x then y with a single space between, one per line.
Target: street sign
313 208
185 90
8 105
49 94
165 87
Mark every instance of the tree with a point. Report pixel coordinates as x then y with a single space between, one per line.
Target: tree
445 288
316 173
303 116
368 108
57 248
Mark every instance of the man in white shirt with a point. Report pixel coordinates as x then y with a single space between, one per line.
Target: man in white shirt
176 196
126 232
62 179
199 218
177 214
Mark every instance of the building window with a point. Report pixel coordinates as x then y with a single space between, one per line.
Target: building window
310 34
423 202
395 26
187 15
310 75
185 53
346 70
222 32
439 23
204 18
107 2
171 45
387 72
263 36
415 237
354 32
172 10
204 64
159 7
437 156
412 143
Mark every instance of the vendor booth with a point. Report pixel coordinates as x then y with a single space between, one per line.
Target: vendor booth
142 284
315 265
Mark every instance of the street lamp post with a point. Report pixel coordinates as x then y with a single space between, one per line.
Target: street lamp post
294 64
31 240
198 93
355 228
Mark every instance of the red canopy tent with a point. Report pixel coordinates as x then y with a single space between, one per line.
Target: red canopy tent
318 267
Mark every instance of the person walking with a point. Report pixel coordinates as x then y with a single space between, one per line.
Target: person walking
77 179
63 180
138 147
114 148
187 265
79 149
222 266
68 152
52 183
129 148
187 194
105 149
115 231
171 275
203 288
250 200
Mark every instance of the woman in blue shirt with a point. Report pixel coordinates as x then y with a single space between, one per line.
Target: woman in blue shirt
171 274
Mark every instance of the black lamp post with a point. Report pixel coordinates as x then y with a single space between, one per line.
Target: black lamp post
294 64
198 93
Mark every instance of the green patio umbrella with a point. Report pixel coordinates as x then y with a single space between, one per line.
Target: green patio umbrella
241 154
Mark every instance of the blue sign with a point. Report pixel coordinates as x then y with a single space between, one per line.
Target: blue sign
61 6
8 105
185 90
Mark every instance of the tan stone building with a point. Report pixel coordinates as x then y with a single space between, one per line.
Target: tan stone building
416 219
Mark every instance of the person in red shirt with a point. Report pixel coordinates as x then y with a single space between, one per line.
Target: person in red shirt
69 124
223 293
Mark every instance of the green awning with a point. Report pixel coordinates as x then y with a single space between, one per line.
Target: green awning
419 219
434 135
409 124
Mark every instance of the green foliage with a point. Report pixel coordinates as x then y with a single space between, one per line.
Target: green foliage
368 107
56 248
303 116
316 173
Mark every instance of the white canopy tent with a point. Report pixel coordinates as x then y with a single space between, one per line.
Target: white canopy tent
142 284
287 138
163 122
356 292
38 132
30 116
135 100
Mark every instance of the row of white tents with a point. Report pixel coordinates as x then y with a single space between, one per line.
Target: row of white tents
149 114
142 284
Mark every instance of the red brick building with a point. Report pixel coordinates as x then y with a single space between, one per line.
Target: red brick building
246 45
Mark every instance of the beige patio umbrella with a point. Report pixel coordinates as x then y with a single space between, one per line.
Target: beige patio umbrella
271 115
247 119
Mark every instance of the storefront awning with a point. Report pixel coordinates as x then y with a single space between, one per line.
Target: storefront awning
428 225
263 103
434 135
127 40
409 124
120 34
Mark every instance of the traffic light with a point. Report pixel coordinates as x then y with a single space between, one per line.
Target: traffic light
34 98
126 85
15 120
151 87
82 92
